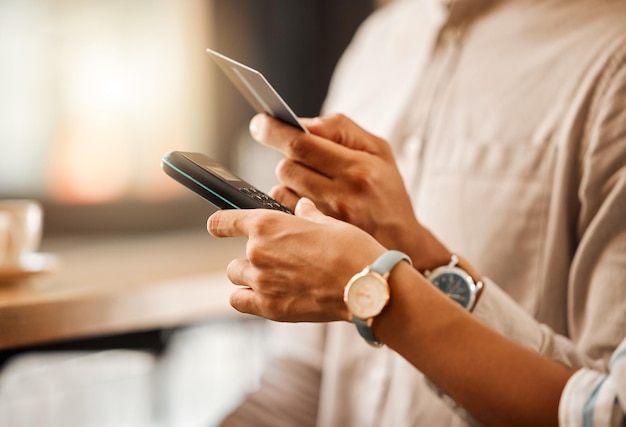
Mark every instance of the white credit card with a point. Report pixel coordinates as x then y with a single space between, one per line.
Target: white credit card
256 89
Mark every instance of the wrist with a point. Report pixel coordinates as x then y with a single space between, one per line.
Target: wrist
409 236
413 314
429 252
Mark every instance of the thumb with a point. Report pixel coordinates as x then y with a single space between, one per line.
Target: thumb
305 208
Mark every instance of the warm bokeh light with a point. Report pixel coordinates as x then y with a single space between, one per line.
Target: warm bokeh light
92 163
94 93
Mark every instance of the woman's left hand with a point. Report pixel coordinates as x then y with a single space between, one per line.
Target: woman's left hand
296 266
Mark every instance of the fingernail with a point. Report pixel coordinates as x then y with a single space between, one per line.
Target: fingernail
306 201
256 126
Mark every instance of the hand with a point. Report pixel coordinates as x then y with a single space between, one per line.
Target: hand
296 266
351 175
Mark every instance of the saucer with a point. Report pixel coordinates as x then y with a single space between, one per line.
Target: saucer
29 264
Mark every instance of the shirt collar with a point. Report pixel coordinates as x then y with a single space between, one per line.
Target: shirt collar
458 12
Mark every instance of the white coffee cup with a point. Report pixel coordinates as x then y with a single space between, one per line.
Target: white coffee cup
21 226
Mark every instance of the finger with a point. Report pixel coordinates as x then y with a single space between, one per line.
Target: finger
245 300
236 272
233 222
301 179
306 209
344 131
249 301
285 195
314 152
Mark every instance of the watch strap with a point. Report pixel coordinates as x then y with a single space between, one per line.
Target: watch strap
464 265
387 261
383 266
363 326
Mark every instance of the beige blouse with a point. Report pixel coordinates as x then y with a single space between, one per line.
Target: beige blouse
508 120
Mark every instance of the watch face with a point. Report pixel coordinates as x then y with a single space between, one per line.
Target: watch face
455 286
367 295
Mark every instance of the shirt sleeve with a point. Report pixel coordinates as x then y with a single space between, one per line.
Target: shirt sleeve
593 399
498 310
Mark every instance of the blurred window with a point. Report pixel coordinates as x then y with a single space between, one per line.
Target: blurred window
93 93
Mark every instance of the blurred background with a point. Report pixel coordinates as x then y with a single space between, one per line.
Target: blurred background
92 94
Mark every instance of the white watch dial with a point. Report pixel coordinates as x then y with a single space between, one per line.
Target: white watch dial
367 295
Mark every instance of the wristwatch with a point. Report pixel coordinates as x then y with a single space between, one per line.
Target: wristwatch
455 281
367 293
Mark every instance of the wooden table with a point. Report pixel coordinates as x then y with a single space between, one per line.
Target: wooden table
117 285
